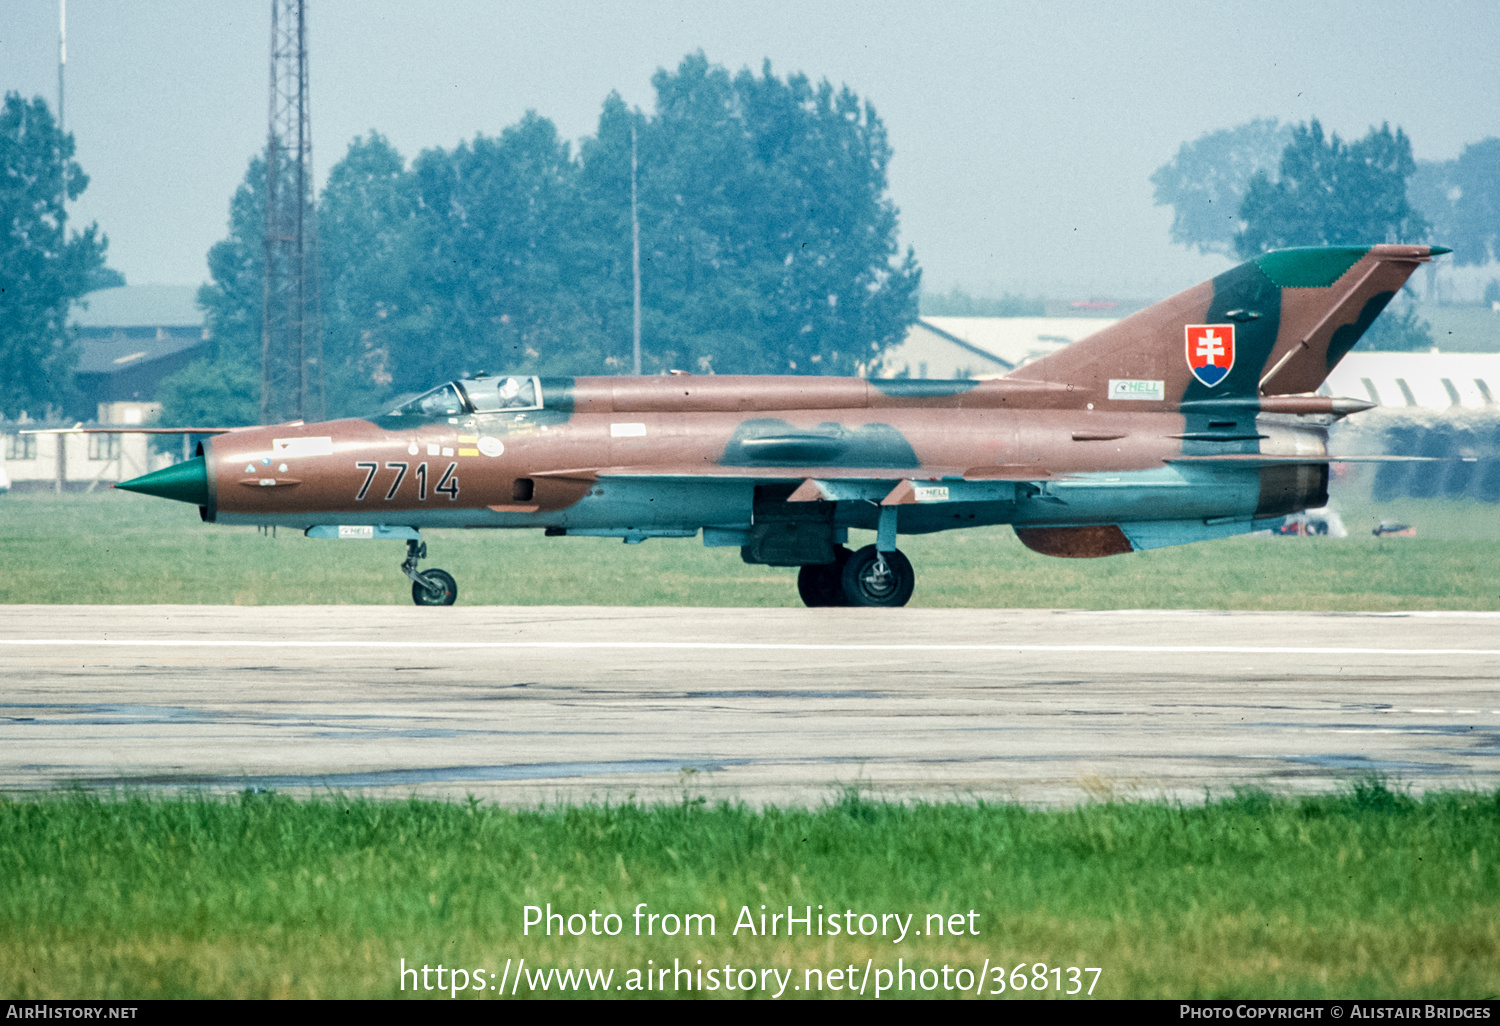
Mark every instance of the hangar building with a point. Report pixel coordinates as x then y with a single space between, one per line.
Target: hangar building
129 339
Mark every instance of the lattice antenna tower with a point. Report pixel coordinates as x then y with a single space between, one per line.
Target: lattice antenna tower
292 338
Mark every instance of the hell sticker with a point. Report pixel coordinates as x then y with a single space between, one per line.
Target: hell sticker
1210 351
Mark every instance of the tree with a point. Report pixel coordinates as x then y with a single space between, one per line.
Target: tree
363 225
43 268
1461 198
223 388
1206 182
768 241
604 228
233 299
768 245
1331 193
493 274
1397 330
364 252
209 393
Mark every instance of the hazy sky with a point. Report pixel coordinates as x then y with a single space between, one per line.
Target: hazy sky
1024 133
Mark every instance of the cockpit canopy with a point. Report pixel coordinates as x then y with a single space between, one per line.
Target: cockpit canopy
492 395
482 394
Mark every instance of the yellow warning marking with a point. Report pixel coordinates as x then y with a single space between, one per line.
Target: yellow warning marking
468 452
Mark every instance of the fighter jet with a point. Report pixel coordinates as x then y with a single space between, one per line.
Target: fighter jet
1193 419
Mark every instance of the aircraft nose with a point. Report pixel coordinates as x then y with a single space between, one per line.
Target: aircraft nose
186 482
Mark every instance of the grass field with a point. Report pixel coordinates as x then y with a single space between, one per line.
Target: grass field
116 547
1369 893
1363 894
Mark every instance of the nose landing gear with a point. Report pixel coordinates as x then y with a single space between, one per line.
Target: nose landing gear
428 587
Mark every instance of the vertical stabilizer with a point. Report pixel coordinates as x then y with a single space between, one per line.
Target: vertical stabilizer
1275 325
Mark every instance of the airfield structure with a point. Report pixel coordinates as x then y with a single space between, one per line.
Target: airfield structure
291 340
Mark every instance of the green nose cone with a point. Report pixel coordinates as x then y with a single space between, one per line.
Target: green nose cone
186 482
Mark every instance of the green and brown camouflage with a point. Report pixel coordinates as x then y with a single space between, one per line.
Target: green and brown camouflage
1113 444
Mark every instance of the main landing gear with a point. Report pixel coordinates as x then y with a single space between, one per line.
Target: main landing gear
864 578
428 587
821 584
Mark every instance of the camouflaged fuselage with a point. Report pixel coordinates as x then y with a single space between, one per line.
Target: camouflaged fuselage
1123 440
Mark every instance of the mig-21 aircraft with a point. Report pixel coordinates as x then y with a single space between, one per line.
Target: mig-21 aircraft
1193 419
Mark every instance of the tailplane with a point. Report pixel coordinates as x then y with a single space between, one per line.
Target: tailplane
1275 325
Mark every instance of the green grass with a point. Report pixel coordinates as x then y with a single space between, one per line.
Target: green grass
1361 894
121 548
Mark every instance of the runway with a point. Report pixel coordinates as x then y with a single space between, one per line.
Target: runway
535 704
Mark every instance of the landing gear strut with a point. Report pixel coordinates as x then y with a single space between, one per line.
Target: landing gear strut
430 587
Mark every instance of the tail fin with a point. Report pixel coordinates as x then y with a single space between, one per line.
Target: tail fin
1275 325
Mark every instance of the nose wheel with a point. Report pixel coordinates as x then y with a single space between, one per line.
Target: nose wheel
440 589
428 587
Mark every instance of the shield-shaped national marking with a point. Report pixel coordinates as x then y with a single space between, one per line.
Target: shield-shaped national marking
1210 351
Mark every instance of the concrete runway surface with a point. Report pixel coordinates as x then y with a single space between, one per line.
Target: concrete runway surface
531 704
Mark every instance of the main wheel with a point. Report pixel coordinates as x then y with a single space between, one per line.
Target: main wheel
872 578
445 594
822 584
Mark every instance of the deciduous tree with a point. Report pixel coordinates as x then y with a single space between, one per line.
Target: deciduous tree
1399 329
223 388
365 220
209 393
1331 193
43 267
769 241
1461 197
493 277
234 296
1206 182
364 228
768 244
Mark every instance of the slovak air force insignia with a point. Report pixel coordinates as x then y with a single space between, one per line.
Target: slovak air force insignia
1210 351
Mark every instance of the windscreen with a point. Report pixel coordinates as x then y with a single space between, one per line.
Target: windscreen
443 401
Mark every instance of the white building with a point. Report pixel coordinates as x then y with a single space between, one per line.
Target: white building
67 462
130 338
1444 405
1419 381
981 347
